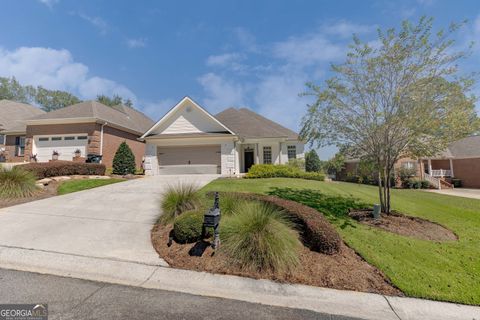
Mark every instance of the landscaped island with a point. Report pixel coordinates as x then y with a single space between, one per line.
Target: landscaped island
444 269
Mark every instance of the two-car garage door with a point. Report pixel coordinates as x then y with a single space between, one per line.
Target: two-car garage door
189 159
65 145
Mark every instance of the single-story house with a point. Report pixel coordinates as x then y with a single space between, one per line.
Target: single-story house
461 160
89 127
189 140
13 129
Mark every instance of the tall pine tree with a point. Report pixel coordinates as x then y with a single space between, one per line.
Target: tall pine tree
124 160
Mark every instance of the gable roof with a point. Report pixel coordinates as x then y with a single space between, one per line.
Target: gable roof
248 124
186 100
122 116
468 147
13 115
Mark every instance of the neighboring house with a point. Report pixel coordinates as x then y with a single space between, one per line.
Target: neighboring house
91 127
190 140
13 129
461 160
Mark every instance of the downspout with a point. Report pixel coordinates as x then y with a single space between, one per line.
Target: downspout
101 140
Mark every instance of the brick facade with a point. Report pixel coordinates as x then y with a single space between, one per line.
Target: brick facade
10 149
112 138
467 170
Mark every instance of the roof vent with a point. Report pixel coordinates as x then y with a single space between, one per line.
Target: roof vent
189 108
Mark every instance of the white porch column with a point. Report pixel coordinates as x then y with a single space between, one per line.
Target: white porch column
236 154
257 157
279 153
429 166
451 168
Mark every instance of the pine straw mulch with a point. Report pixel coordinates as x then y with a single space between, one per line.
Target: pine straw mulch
344 270
404 225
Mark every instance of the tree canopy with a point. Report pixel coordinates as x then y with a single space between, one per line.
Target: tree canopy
402 97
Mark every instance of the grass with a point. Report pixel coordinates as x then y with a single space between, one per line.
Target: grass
16 183
258 237
448 271
84 184
177 199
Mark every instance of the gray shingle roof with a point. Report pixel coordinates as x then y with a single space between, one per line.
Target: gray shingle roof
248 124
465 148
120 115
13 114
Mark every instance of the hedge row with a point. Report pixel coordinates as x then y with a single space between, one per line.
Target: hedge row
64 168
317 233
281 171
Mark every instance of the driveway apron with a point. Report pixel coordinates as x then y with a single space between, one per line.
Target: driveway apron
110 222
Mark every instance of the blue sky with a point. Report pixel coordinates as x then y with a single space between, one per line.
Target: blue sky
255 54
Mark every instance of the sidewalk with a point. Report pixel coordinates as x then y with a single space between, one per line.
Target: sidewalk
322 300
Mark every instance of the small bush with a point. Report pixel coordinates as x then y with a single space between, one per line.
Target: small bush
124 160
187 227
281 171
312 161
178 199
16 183
260 237
297 164
414 183
64 168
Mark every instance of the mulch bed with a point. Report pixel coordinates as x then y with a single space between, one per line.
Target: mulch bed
344 270
48 191
405 225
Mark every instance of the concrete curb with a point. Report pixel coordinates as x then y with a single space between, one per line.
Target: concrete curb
323 300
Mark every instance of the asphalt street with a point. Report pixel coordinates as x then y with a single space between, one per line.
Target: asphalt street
69 298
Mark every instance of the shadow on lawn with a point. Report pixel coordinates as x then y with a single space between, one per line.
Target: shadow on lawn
335 208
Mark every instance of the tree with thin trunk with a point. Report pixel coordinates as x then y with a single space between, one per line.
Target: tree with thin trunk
403 96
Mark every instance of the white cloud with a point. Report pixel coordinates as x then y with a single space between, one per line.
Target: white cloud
56 69
308 49
136 43
95 21
346 29
246 39
49 3
221 93
224 60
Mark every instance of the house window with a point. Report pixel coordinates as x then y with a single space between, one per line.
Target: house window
2 139
292 152
56 138
267 155
69 138
410 165
19 146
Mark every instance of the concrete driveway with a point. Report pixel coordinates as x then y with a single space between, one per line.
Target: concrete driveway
460 192
110 222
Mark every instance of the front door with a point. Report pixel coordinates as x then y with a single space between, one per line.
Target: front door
248 159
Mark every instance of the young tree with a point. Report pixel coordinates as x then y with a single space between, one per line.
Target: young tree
312 161
404 97
11 89
124 160
114 101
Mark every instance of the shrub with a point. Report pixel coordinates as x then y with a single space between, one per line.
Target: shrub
281 170
297 164
64 168
16 183
414 183
312 161
230 203
260 237
178 199
187 227
124 160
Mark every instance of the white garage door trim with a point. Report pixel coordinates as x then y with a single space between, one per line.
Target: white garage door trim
65 144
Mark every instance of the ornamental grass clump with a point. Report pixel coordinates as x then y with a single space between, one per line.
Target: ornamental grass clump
260 237
16 183
178 199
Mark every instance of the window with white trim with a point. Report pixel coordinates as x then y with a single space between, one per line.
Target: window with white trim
56 138
267 155
2 139
19 146
409 165
292 152
69 138
44 139
82 138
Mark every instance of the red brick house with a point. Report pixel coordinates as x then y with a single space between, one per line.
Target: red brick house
461 160
81 129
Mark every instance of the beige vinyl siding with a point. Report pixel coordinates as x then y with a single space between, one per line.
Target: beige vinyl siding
184 155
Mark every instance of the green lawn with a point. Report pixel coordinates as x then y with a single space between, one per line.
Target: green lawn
447 271
84 184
